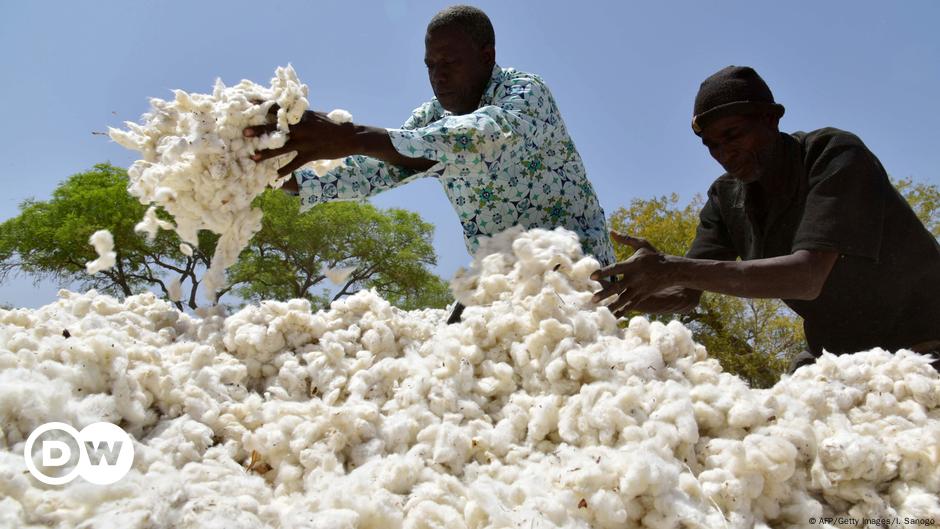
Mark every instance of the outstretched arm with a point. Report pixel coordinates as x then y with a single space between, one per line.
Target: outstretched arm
317 137
648 274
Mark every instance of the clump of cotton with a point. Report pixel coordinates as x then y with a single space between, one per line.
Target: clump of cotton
151 224
103 242
537 410
174 290
196 162
338 275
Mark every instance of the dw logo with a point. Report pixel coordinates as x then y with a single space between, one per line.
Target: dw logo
101 453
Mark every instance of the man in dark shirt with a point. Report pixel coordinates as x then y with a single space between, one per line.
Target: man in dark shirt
813 218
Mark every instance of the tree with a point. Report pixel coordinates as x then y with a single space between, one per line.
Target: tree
49 239
924 199
753 338
390 251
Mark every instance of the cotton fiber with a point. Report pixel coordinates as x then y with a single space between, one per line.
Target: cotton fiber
339 275
196 162
537 410
103 242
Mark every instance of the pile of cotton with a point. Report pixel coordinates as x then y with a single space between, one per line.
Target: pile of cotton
197 164
537 410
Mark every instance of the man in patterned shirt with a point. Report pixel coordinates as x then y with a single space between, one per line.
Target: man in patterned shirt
492 136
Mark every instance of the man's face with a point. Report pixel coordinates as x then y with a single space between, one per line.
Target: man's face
457 68
742 144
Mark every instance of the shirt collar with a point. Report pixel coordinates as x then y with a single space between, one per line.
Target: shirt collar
489 93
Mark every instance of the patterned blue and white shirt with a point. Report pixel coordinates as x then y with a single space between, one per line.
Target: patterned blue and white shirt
510 162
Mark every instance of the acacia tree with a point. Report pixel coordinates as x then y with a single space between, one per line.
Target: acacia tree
390 250
49 239
925 200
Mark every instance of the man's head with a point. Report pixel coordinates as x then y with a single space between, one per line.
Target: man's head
737 118
459 51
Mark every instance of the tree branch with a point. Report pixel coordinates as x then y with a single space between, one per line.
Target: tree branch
168 266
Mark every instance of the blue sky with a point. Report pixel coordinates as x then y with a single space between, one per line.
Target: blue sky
624 75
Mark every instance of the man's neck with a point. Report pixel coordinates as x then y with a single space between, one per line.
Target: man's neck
772 178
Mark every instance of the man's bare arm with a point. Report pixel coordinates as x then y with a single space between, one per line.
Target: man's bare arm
800 275
317 137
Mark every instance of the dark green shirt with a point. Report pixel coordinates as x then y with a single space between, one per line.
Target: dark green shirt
884 289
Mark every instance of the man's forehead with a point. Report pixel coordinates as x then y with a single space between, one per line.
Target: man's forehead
726 123
439 49
448 35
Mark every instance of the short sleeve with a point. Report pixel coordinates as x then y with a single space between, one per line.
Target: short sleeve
845 203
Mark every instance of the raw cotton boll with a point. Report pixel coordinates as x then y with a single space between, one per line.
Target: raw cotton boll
174 290
103 242
774 458
536 410
340 116
748 413
848 456
915 502
674 341
151 224
197 164
328 519
339 276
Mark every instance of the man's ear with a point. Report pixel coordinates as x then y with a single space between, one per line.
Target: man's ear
489 54
772 120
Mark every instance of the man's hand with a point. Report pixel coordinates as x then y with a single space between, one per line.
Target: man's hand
290 186
317 137
668 300
314 137
643 276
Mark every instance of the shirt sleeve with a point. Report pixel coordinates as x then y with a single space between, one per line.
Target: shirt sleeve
522 110
845 205
712 239
359 177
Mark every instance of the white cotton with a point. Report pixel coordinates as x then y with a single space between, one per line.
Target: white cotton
174 290
536 410
340 116
103 242
151 224
339 275
196 163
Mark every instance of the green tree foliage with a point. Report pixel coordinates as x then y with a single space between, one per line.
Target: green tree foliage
753 338
49 239
391 250
925 199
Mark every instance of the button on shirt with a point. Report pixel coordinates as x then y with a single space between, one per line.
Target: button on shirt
884 289
511 162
